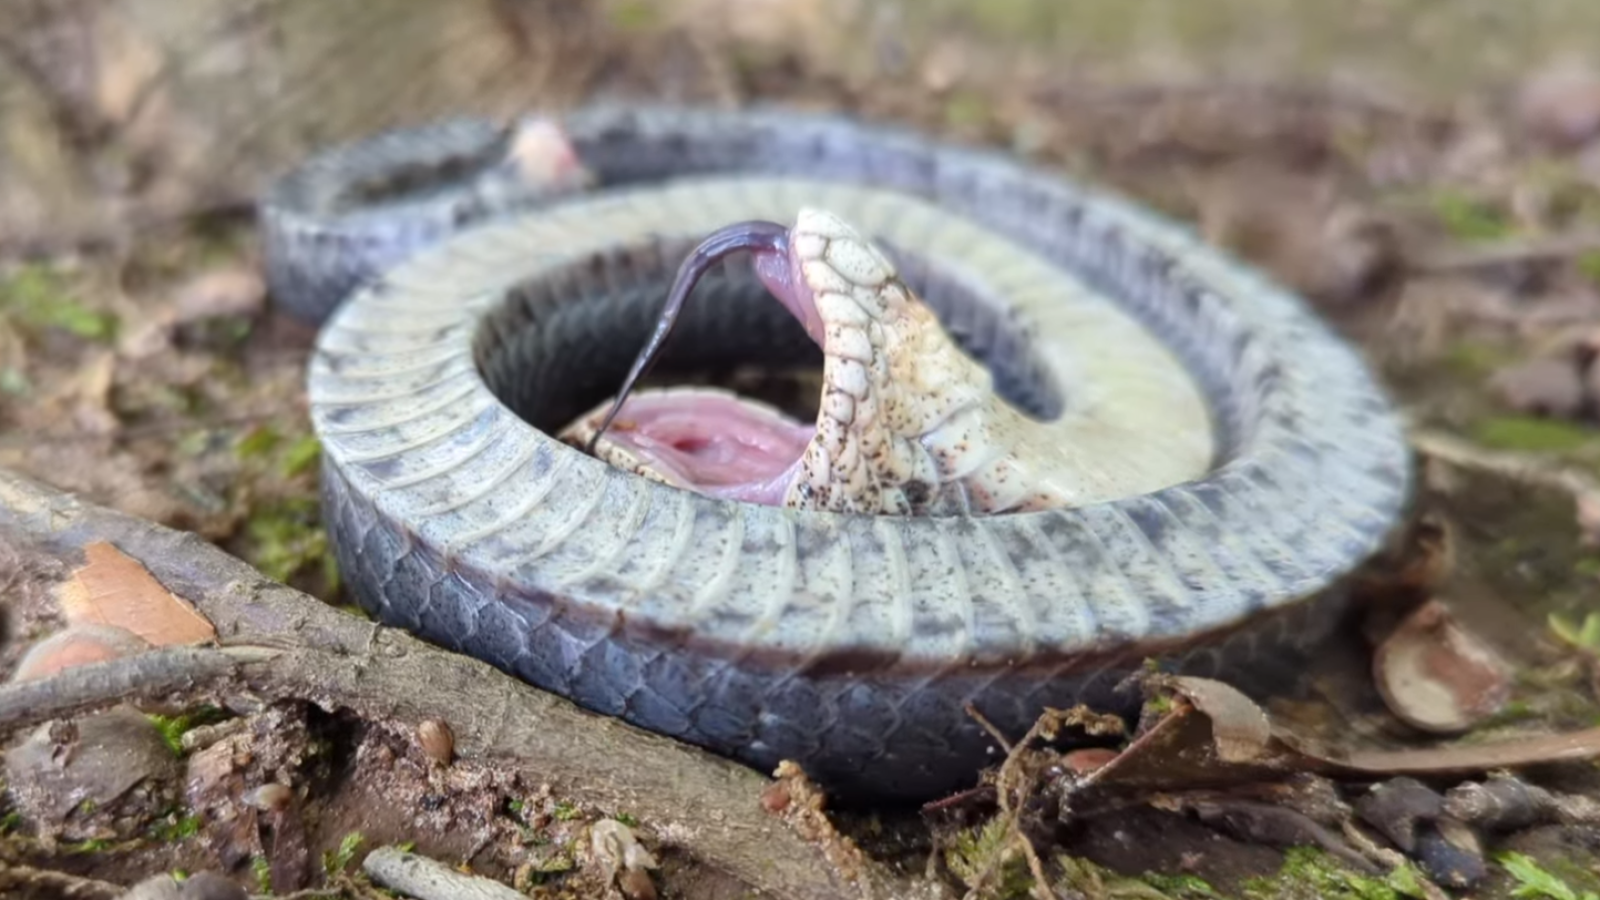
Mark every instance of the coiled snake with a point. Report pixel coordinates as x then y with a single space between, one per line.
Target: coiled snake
467 318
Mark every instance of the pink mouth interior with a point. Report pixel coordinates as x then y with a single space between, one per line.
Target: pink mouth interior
715 442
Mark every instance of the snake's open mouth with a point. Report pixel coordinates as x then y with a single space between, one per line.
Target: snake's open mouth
706 439
714 442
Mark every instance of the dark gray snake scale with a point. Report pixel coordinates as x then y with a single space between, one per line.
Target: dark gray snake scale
846 643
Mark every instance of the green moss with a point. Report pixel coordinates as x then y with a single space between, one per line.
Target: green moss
1312 874
564 812
627 819
173 728
300 455
1469 219
336 861
10 822
1583 635
966 109
1181 886
1534 882
636 15
39 298
985 853
262 871
1469 359
1532 434
1081 877
286 538
257 442
174 828
1588 265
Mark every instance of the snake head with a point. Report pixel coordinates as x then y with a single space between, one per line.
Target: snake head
907 423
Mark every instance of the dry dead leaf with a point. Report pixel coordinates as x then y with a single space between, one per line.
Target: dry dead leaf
1214 735
1436 675
113 588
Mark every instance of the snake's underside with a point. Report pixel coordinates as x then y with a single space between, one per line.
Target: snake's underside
472 319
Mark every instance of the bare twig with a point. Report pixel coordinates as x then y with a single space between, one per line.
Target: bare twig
87 688
999 737
426 879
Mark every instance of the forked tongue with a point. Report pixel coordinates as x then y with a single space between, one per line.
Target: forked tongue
711 440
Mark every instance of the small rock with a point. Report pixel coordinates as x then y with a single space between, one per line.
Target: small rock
1396 807
1499 804
156 887
1551 387
1450 854
76 646
438 743
199 886
211 886
1560 106
1436 676
78 777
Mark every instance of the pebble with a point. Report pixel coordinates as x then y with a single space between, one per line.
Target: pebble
118 762
1396 807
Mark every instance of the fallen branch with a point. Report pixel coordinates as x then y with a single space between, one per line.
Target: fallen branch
710 805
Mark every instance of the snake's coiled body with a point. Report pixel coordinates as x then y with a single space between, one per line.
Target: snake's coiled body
849 644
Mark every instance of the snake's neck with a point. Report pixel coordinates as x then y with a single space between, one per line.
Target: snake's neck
907 424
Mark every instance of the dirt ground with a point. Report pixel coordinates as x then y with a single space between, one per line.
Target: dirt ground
1430 179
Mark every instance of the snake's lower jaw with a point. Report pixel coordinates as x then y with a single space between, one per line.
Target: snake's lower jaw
701 439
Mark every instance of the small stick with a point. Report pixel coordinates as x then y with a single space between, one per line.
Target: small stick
426 879
155 673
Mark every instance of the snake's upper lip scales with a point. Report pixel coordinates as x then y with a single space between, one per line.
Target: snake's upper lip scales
850 644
